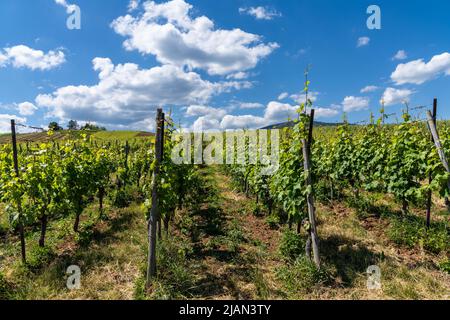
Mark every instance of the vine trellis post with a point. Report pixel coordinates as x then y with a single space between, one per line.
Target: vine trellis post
438 144
430 174
154 213
310 194
19 206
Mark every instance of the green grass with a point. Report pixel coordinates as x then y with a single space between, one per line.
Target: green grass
40 137
411 232
121 135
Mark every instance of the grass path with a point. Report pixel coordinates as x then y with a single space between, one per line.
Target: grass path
234 248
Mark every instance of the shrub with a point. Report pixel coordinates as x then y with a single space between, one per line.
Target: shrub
39 257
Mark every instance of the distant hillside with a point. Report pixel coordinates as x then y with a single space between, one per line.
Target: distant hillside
64 135
290 124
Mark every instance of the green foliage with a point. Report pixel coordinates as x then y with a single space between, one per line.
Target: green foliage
301 277
445 266
39 257
273 221
5 288
412 232
175 281
292 245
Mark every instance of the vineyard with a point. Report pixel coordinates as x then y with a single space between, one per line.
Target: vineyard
141 227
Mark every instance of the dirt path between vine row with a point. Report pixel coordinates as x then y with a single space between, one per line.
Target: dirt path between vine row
237 249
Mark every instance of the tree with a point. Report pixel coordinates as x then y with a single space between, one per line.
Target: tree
55 126
92 127
73 125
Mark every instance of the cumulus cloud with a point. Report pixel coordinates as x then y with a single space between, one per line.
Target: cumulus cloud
400 55
210 112
238 76
251 105
26 108
274 113
419 72
5 122
301 97
283 96
133 5
363 41
170 33
22 56
260 13
351 103
392 96
127 94
369 89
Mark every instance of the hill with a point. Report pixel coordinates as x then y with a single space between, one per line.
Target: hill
64 135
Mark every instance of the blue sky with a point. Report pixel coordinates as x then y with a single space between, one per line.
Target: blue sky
218 64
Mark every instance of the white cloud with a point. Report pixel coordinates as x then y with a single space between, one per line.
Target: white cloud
69 7
274 113
283 96
205 111
242 122
170 33
363 41
133 5
251 105
205 123
5 122
126 94
22 56
301 97
26 108
238 76
369 89
392 96
351 103
419 72
260 13
400 55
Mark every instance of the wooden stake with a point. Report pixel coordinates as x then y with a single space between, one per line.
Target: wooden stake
154 213
19 206
310 196
430 174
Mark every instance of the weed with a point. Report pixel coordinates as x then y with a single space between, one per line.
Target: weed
273 221
411 231
445 266
39 257
302 276
292 245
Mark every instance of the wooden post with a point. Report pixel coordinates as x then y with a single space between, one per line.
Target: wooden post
430 174
310 197
19 206
154 213
437 143
127 151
